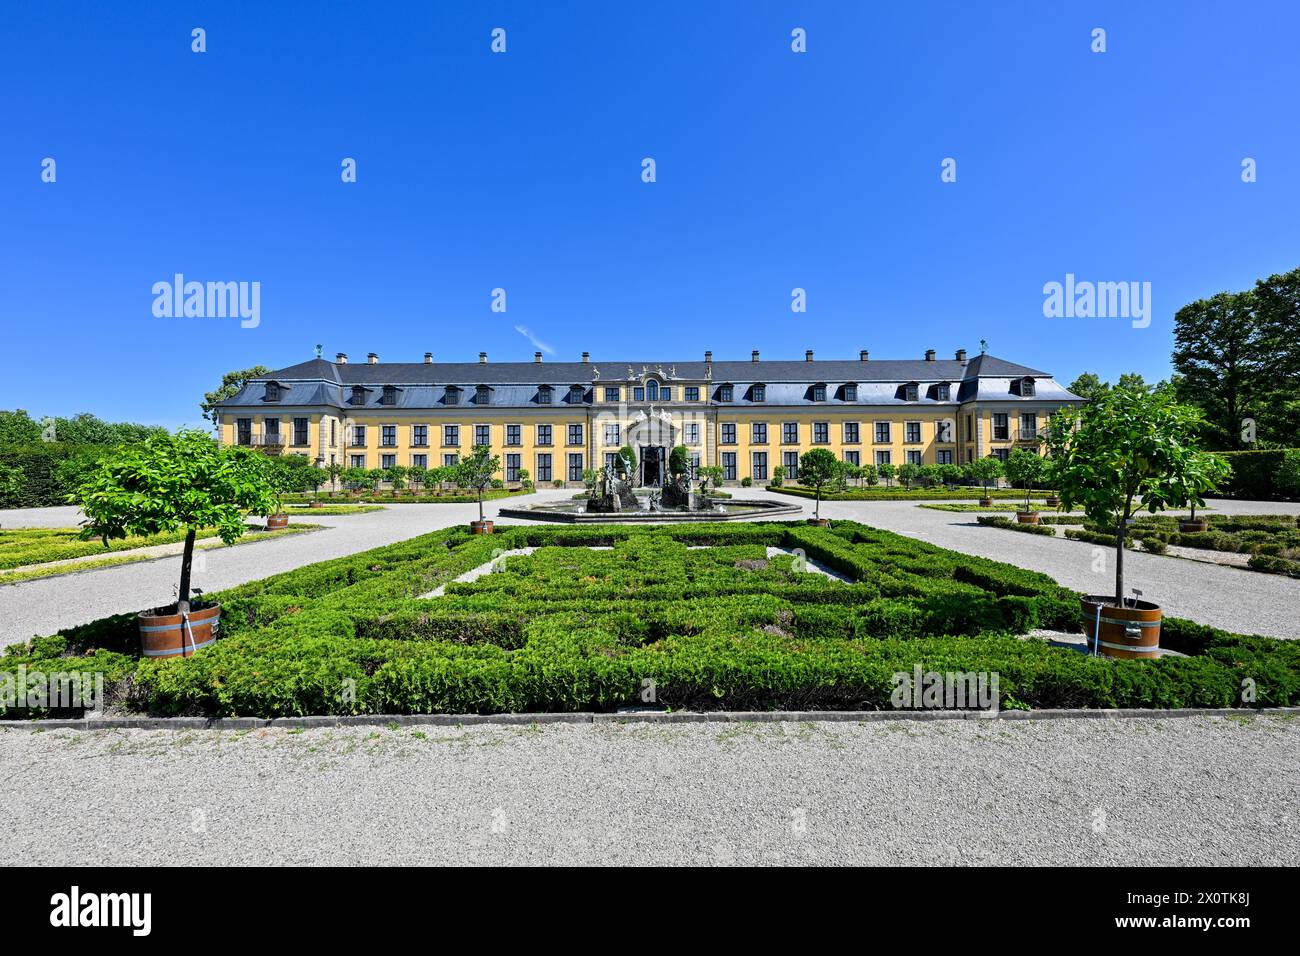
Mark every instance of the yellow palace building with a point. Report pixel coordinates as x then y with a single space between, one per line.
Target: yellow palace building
557 419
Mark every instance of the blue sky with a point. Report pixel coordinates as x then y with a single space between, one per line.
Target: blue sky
522 171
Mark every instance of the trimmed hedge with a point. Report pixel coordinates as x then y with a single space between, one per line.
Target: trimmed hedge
899 493
51 471
718 626
1255 475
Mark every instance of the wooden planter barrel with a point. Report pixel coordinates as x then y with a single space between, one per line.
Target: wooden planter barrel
986 502
277 521
1129 633
1052 501
164 633
481 527
1027 517
1193 525
314 504
820 522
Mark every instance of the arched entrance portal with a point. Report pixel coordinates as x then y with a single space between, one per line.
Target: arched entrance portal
653 438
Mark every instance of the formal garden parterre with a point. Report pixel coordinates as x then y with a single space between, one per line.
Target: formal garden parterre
699 613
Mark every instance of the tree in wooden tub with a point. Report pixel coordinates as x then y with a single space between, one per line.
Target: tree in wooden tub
168 483
1025 468
475 474
1134 449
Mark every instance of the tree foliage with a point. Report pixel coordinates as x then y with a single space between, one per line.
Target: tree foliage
230 385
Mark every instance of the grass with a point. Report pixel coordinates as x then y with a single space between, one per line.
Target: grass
899 493
119 557
325 511
966 507
696 617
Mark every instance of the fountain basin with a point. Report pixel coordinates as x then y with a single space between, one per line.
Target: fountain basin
575 513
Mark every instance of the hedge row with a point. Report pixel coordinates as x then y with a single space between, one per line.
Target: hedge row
51 471
904 494
1258 475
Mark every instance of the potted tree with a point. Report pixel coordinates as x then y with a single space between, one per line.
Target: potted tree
778 476
1025 468
333 469
908 473
416 475
986 471
168 483
709 474
525 478
887 471
475 472
1129 450
817 469
396 475
282 479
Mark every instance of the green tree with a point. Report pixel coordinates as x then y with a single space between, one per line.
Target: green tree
418 474
679 461
778 476
986 471
1133 450
1089 387
908 473
12 482
887 471
817 469
870 474
18 428
1025 468
169 482
709 474
231 383
475 472
334 469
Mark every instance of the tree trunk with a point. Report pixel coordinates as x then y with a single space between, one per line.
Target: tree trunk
817 508
480 505
187 559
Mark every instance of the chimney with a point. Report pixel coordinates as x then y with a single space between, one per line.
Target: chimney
482 358
372 358
753 356
862 356
929 355
537 357
586 357
708 357
428 358
807 356
961 355
341 358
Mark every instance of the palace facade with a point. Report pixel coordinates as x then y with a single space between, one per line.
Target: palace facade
557 419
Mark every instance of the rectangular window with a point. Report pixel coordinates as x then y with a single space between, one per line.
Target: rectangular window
1028 426
945 456
357 461
665 393
1001 454
691 433
942 393
420 436
271 430
910 393
611 393
514 436
943 432
512 467
728 433
611 459
420 461
1000 427
544 467
695 462
758 433
575 467
790 462
332 436
544 435
853 457
969 426
692 393
724 393
388 436
301 426
483 435
819 393
913 457
851 436
358 439
243 431
575 434
758 470
451 436
758 393
638 393
790 433
882 458
821 433
728 466
882 433
449 460
612 434
913 432
544 395
387 461
850 393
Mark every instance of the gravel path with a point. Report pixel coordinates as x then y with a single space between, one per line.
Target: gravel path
1191 791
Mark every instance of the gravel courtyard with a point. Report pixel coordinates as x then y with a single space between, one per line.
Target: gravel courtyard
1195 791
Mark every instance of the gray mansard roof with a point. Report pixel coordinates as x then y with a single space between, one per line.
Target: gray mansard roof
516 384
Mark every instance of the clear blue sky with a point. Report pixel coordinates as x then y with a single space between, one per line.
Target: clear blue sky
522 171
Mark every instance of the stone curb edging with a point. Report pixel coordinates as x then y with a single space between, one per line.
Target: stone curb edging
625 717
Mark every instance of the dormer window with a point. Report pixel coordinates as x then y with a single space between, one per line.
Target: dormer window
1026 388
482 395
575 394
544 395
389 397
850 393
819 392
451 395
758 393
942 392
358 396
652 390
272 393
724 393
911 392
